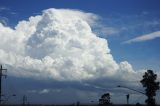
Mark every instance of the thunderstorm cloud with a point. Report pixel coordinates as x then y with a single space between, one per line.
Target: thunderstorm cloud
59 44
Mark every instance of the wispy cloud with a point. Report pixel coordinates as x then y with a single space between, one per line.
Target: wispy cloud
105 31
44 91
143 38
4 20
7 10
4 8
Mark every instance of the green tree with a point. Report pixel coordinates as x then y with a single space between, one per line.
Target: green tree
149 82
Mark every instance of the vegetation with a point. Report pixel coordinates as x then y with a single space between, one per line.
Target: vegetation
105 99
149 82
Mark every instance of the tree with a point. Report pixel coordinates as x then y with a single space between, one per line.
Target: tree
105 99
149 82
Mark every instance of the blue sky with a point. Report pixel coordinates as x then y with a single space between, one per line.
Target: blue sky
124 21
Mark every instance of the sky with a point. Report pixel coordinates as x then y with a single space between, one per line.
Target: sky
59 51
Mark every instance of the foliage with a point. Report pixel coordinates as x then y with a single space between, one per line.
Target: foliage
105 99
149 82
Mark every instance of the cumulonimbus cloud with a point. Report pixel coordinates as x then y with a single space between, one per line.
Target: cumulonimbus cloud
145 37
59 45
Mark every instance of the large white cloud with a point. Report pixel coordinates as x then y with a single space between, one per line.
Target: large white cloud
60 45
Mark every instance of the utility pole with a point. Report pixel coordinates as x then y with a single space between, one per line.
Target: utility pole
1 75
24 100
127 96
